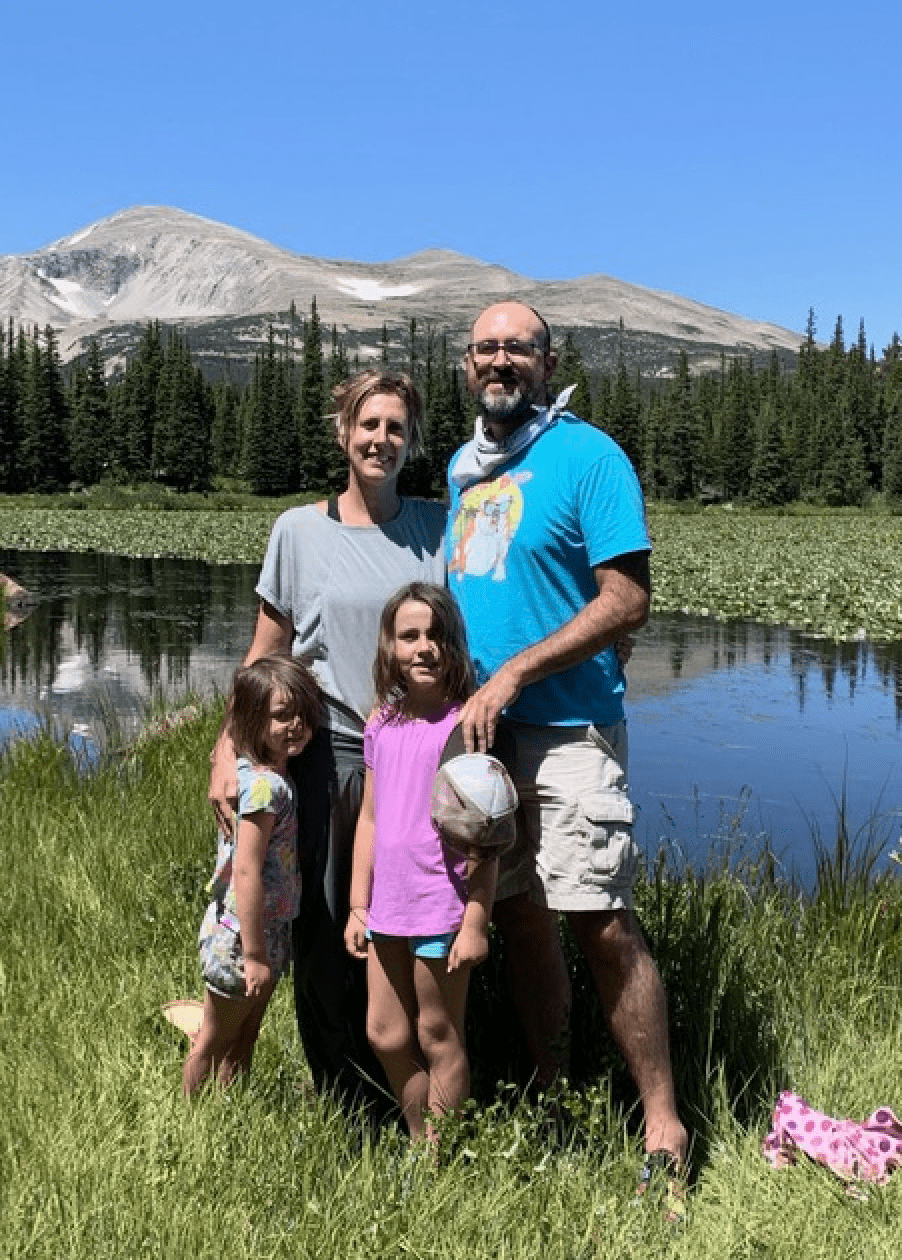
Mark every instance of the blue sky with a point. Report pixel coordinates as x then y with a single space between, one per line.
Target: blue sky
749 157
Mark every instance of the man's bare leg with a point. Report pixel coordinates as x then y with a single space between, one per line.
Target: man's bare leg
635 1006
539 983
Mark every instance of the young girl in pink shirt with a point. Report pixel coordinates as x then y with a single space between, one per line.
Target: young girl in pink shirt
419 913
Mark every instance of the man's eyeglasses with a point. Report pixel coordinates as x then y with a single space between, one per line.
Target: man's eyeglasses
514 349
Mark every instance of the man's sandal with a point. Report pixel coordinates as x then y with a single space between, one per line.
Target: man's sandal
662 1181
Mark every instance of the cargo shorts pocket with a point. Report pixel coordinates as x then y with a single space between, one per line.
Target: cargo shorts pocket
606 820
614 752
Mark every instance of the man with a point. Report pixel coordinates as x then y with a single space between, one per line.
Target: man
548 558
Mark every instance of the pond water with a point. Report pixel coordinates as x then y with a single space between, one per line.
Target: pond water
736 730
108 634
744 730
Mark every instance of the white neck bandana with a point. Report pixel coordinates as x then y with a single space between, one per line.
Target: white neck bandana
481 456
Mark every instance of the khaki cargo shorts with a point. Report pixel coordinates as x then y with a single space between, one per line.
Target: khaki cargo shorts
575 848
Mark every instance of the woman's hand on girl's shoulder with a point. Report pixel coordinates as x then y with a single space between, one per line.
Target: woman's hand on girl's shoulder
355 934
223 791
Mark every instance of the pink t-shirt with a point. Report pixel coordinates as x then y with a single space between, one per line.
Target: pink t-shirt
419 885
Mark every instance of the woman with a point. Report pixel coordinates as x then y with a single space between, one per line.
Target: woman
329 569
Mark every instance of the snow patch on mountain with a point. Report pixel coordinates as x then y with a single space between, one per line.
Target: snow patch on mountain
72 298
374 290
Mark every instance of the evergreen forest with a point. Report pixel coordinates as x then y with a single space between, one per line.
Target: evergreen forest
827 432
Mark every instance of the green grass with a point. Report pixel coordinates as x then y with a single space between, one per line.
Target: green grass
100 1157
833 573
202 534
227 496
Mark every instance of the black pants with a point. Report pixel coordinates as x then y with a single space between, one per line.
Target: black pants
329 985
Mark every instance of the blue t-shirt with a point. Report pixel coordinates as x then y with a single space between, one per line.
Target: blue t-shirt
521 551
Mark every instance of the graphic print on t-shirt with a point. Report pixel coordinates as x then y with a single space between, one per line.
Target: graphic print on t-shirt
487 518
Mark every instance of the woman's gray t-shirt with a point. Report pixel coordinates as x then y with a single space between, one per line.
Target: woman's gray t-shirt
332 580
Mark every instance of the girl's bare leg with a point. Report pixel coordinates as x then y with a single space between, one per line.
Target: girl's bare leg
221 1045
391 1028
237 1059
441 1005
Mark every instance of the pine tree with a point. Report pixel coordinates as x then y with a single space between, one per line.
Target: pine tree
9 410
737 432
844 477
17 372
652 446
339 368
226 433
708 404
317 431
806 397
44 453
601 402
861 388
135 409
257 420
339 371
181 440
446 421
272 457
624 410
571 370
286 438
838 344
811 327
769 484
892 432
91 420
675 463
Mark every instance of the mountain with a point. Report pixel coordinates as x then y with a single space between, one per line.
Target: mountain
223 287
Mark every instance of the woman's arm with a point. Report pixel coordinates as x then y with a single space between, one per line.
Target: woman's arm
471 945
361 872
273 633
254 831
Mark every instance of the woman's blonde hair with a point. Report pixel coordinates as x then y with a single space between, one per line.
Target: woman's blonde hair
457 675
252 690
350 396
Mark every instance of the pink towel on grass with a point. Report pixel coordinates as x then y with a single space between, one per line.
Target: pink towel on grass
856 1152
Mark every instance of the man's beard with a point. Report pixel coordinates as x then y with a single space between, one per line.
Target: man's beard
504 406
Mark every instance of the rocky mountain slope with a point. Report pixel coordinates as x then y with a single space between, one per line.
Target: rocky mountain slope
223 287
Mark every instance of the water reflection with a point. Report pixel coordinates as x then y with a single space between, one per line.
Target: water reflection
674 649
113 631
725 718
742 730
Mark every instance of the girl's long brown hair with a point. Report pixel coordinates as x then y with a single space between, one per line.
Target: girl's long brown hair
252 690
457 675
